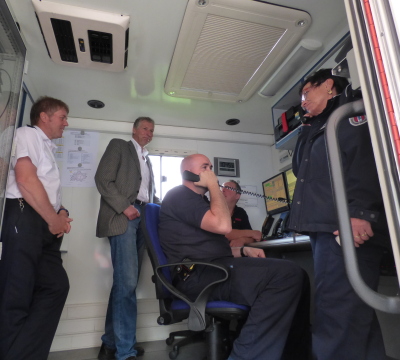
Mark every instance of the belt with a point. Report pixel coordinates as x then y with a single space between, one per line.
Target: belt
22 202
139 202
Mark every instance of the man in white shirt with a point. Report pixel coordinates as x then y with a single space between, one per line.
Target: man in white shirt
125 181
33 282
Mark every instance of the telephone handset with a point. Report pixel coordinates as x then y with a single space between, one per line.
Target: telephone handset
280 228
268 222
277 231
188 175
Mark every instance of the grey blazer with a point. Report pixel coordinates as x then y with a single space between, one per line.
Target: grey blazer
118 179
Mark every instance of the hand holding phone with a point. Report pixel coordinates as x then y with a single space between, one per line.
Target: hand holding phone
203 180
188 175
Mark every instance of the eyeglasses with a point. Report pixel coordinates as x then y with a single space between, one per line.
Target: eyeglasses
305 94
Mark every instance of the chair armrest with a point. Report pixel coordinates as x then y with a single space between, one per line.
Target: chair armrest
197 317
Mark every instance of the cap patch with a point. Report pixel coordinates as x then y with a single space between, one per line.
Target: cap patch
358 120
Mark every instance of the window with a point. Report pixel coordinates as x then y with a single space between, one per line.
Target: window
13 53
167 173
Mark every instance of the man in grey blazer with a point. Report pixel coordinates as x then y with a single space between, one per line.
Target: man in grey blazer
125 181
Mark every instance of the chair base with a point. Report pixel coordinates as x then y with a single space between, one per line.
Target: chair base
190 337
219 340
217 337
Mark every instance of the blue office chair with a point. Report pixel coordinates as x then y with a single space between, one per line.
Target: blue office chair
206 319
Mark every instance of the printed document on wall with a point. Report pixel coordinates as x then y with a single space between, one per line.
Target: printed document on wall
79 158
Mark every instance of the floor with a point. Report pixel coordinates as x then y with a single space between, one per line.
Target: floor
154 350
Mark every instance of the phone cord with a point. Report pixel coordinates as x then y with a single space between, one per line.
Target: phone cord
282 200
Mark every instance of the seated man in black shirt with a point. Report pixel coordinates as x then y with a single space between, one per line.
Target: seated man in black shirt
191 228
242 232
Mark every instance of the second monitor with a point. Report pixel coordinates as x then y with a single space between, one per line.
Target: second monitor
277 195
290 183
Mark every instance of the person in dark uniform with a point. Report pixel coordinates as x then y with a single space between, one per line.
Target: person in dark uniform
33 283
241 233
192 228
344 326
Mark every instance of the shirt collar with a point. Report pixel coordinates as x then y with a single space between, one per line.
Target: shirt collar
144 152
45 138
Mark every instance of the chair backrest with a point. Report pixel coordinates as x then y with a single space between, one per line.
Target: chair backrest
150 220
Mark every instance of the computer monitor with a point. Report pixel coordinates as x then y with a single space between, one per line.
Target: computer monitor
290 183
275 190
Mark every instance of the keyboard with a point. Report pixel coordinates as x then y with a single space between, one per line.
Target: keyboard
273 241
272 237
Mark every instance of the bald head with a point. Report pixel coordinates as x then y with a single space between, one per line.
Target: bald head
196 163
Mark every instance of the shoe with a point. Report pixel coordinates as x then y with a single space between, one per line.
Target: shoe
106 353
139 351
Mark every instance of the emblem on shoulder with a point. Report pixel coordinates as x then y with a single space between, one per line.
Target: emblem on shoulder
358 120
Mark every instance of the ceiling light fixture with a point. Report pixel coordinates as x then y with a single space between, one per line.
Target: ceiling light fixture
95 104
232 122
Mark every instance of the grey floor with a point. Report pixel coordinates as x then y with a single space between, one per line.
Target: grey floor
154 350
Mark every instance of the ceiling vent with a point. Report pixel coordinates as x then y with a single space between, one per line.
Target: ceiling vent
81 37
227 49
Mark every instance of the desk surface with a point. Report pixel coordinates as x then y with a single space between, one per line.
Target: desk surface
299 242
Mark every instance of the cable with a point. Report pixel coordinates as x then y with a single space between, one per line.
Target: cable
282 200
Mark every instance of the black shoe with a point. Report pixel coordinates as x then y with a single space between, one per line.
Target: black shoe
139 351
106 353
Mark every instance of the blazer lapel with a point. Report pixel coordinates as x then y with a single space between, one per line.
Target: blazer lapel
134 155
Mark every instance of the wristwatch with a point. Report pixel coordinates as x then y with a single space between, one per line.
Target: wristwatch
241 252
63 208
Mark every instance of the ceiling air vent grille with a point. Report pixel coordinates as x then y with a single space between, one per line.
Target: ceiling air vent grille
227 49
100 46
65 40
236 40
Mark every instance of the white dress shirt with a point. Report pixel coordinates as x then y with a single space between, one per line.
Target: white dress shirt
145 172
33 143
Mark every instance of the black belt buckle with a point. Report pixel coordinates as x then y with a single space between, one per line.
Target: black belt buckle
140 202
184 271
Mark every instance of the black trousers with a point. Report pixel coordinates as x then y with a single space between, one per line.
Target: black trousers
274 290
344 326
33 284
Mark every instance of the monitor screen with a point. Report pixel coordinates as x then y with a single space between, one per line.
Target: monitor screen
275 188
290 183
